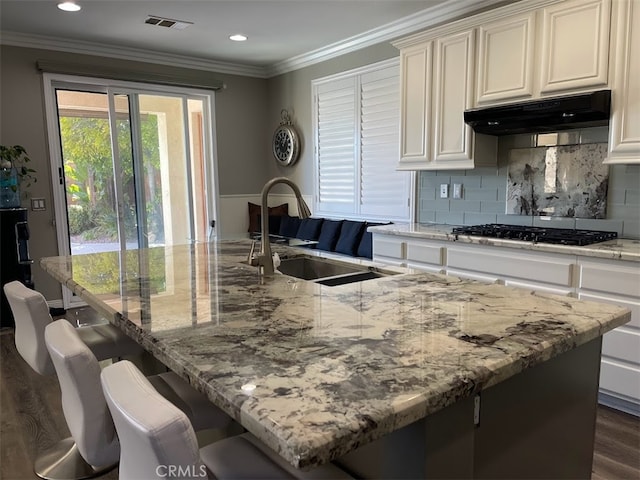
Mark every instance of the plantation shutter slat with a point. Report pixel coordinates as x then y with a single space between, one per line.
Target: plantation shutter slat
383 190
357 118
336 136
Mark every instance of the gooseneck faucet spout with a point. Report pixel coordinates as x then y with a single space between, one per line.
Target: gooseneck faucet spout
264 260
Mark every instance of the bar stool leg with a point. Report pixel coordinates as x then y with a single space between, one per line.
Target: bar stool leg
64 462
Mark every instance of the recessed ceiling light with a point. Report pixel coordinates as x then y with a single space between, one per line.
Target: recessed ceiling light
238 37
69 6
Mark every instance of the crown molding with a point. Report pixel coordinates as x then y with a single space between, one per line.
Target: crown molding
482 18
126 53
424 19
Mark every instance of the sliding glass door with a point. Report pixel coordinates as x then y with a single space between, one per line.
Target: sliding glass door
133 168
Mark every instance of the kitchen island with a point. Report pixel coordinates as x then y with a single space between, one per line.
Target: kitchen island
604 271
405 376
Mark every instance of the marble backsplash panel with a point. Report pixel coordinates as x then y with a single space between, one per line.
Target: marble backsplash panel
558 181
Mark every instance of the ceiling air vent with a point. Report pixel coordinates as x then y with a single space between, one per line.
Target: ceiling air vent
167 22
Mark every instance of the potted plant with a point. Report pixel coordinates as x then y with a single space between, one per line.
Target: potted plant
14 172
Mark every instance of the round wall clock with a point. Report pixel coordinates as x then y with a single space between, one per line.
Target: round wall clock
285 144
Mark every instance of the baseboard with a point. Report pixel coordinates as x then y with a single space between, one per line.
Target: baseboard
619 404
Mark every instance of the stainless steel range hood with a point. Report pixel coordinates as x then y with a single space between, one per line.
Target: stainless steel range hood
549 115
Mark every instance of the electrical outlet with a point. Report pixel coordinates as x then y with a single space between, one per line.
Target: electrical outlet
444 190
457 190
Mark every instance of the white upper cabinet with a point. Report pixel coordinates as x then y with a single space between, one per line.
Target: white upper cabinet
624 129
554 50
506 59
437 86
415 91
453 90
526 50
574 43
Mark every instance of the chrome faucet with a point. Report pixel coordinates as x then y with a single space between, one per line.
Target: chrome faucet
264 260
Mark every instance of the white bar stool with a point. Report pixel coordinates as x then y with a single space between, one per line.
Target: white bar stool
155 436
95 443
31 314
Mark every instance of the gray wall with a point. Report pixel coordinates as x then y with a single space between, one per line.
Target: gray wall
485 192
241 116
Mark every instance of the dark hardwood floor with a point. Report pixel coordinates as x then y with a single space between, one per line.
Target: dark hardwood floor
617 447
31 421
31 418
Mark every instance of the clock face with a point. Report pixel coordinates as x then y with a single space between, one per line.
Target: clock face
285 145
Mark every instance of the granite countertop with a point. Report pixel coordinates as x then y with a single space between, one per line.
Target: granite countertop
316 371
618 249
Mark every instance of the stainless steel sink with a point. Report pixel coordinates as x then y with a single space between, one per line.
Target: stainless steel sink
329 272
312 268
351 278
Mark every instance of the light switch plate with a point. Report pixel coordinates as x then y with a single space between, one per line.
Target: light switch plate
38 204
444 190
457 190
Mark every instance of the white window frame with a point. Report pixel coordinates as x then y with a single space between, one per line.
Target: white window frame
357 73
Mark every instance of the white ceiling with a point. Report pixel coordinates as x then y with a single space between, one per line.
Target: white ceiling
279 31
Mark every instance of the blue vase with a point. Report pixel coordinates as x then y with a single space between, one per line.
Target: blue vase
9 188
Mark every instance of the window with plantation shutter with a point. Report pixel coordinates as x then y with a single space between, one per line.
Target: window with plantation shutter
336 146
356 120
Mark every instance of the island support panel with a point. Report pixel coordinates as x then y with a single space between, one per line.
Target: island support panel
537 424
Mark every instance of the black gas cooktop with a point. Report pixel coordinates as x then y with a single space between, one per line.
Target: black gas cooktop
562 236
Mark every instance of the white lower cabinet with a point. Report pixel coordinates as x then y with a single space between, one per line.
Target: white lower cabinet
588 278
390 249
409 252
428 256
616 282
549 273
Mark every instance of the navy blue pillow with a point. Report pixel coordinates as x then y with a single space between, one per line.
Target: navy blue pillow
309 228
329 234
365 248
289 226
349 239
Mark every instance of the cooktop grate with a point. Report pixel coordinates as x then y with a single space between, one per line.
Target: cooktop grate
562 236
